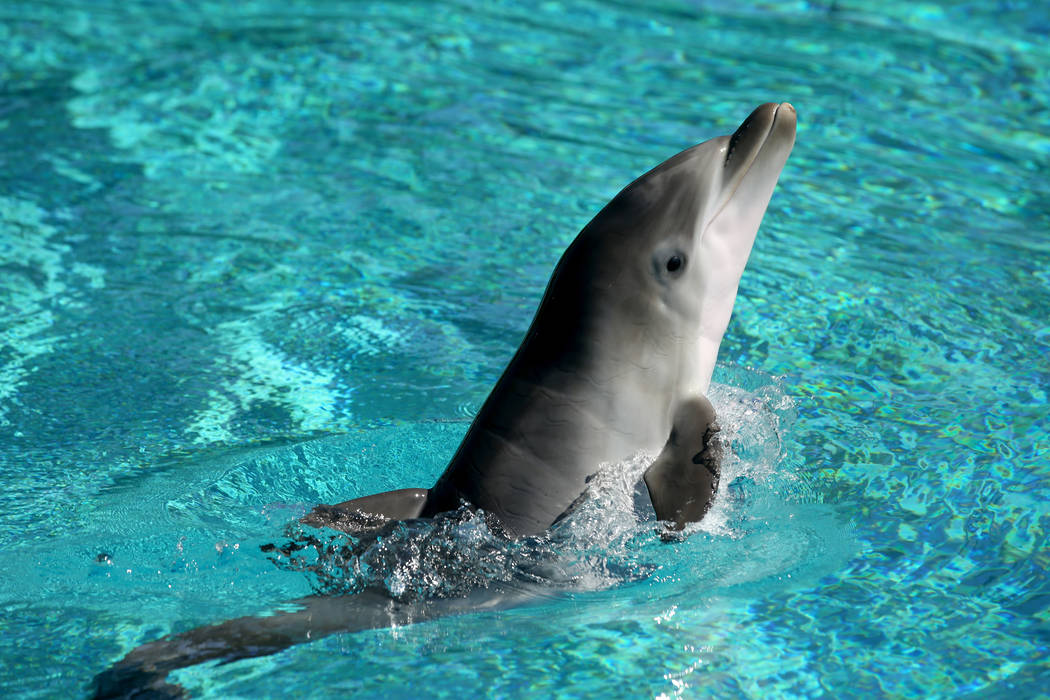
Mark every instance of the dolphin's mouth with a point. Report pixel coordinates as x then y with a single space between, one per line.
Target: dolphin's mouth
755 130
771 124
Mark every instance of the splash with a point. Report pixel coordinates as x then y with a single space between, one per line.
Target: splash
610 538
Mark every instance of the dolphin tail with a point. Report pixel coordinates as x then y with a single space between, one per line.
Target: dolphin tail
143 672
684 478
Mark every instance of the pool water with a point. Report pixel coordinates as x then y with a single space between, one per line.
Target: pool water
260 255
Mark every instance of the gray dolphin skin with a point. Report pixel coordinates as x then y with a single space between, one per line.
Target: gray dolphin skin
617 361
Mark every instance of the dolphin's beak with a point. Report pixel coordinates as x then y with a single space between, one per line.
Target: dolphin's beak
750 136
773 124
754 157
757 152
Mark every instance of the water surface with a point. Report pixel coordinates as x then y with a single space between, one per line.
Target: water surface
257 256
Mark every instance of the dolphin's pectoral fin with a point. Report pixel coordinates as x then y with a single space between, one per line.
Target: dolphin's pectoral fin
369 512
579 501
683 479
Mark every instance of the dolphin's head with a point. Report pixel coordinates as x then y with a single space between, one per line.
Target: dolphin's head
681 235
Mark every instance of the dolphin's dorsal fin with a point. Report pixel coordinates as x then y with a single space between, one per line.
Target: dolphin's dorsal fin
369 512
683 479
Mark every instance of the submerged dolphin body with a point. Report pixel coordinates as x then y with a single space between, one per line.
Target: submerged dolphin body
617 361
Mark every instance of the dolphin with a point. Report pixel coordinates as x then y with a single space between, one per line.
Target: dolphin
619 356
618 361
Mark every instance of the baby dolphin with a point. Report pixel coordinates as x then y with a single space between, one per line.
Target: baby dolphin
620 353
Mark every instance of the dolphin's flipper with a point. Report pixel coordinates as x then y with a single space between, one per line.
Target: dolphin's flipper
369 512
683 479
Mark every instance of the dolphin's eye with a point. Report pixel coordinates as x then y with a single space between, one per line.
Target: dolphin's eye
668 263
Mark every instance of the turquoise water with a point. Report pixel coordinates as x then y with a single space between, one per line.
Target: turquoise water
260 255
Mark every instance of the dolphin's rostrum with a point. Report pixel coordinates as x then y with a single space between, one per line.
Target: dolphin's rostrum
617 361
